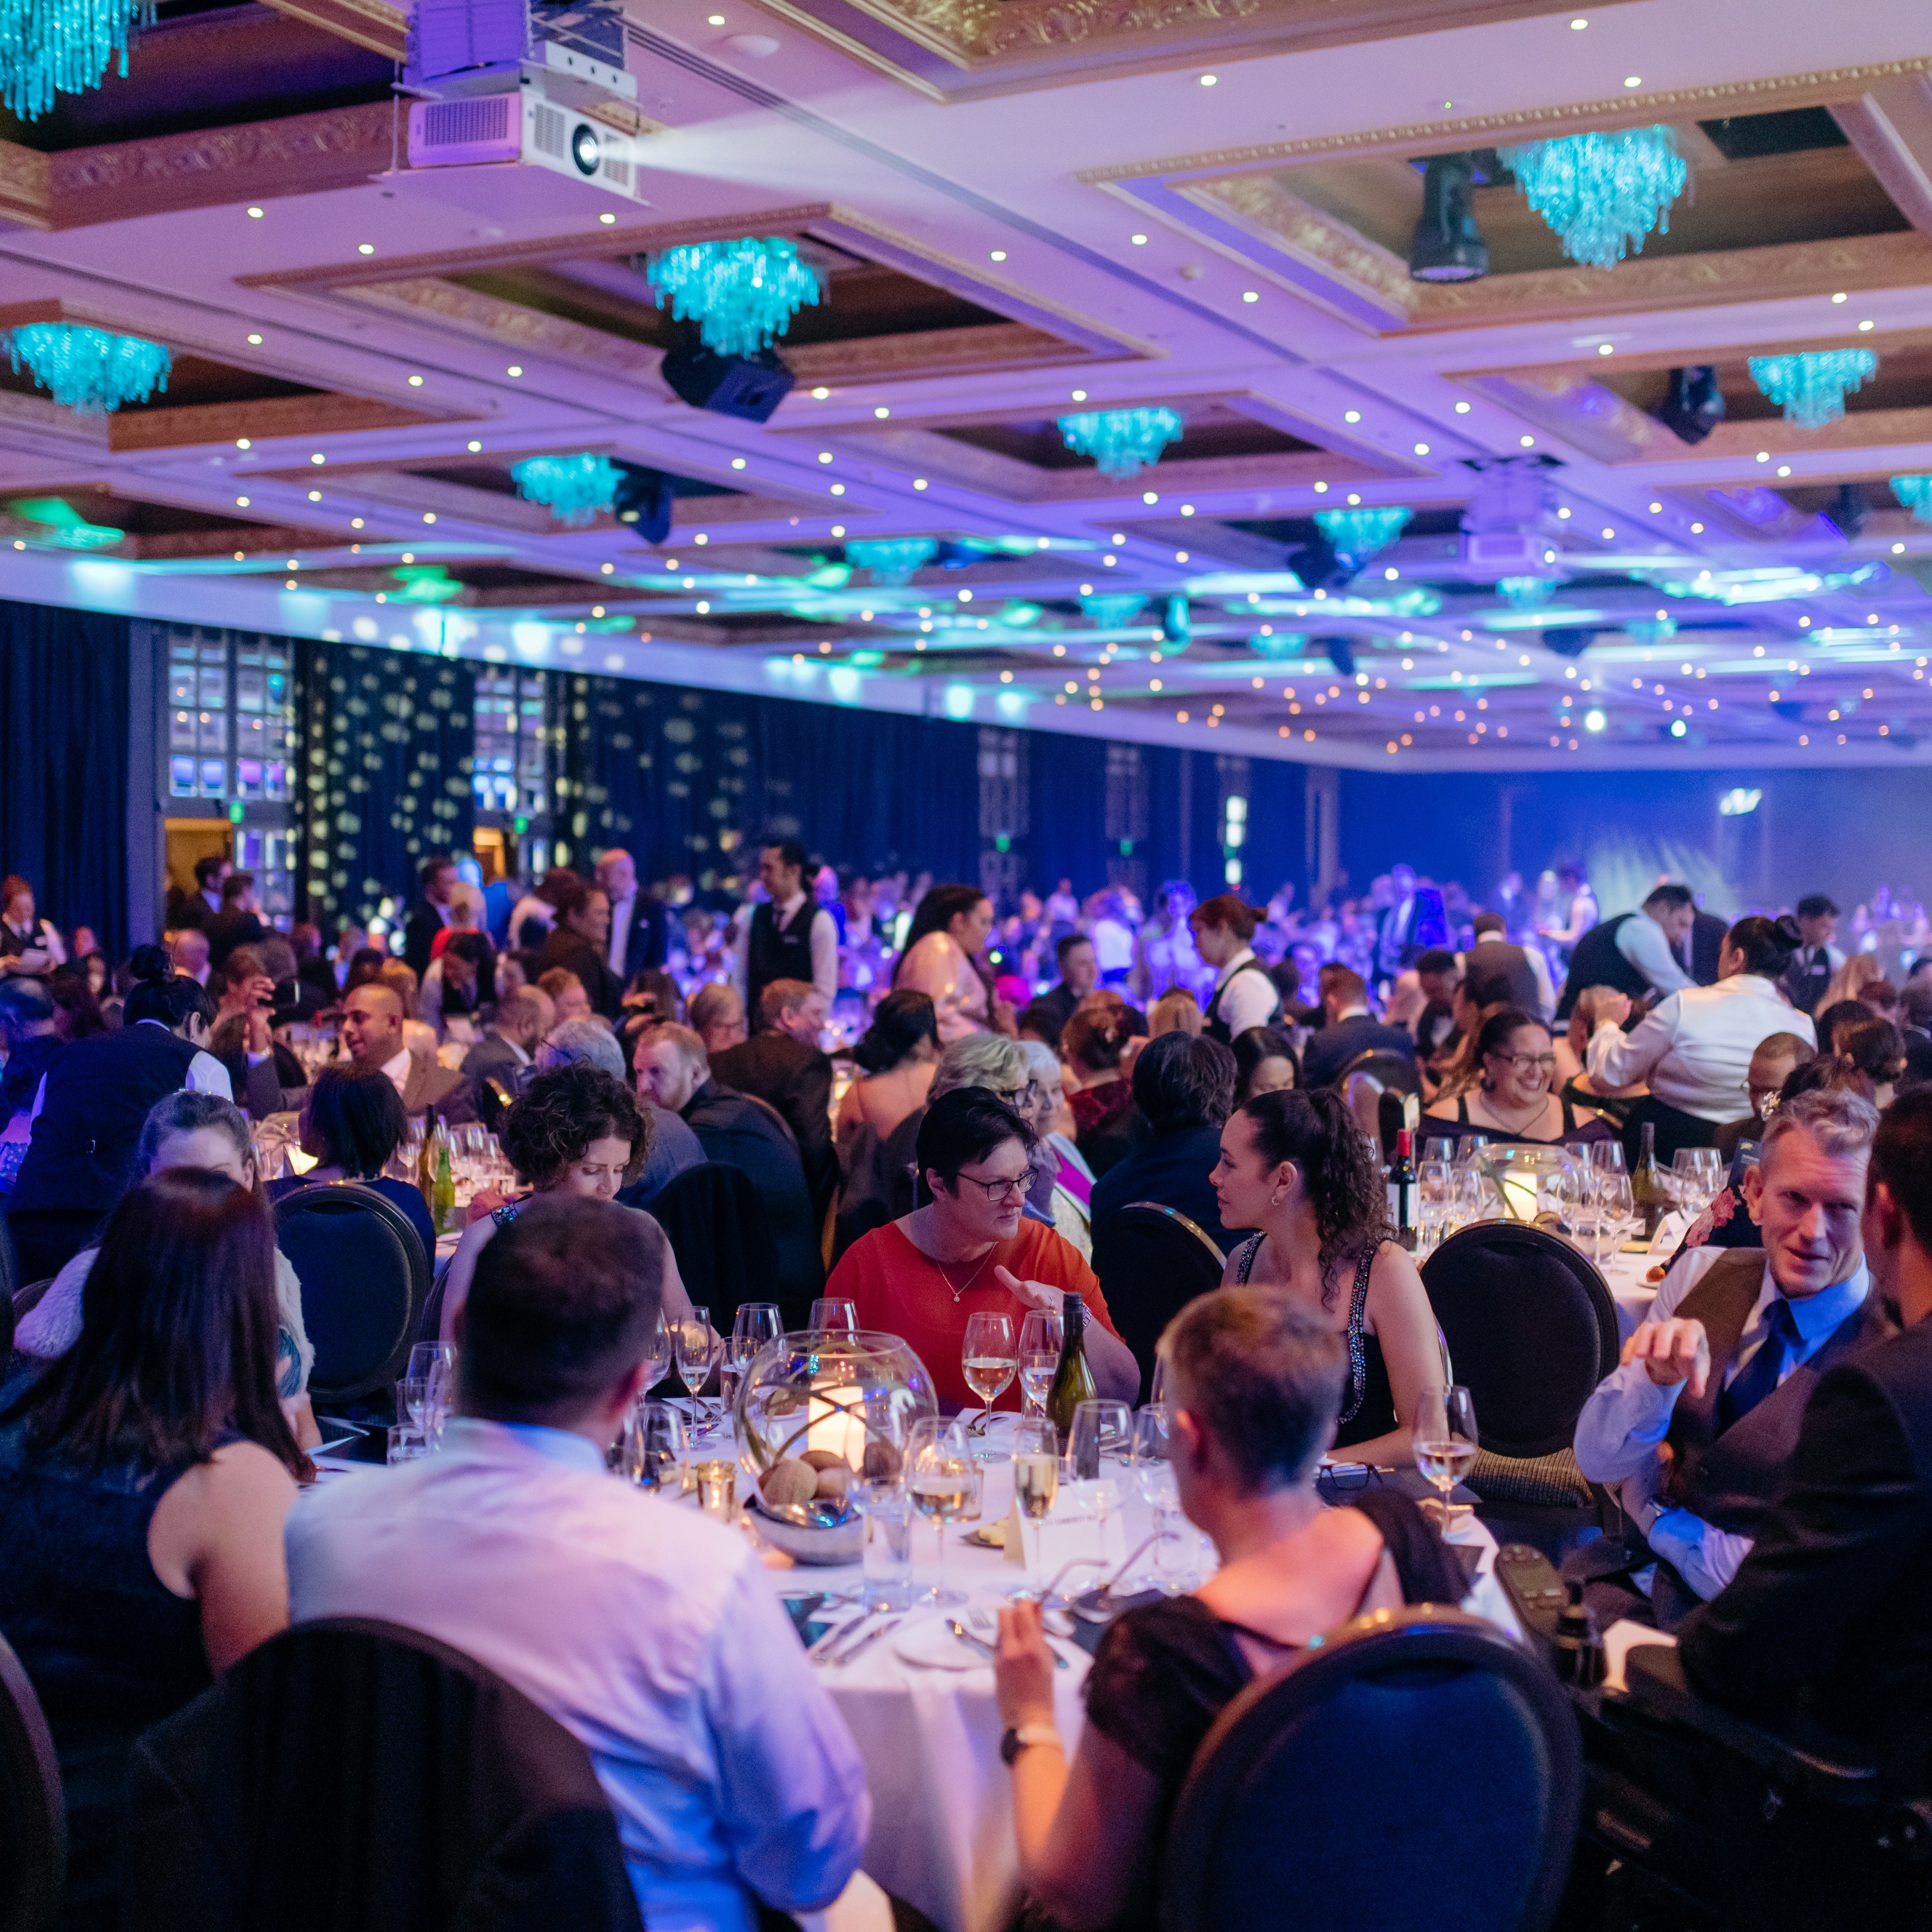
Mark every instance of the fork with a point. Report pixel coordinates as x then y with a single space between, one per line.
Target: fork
985 1625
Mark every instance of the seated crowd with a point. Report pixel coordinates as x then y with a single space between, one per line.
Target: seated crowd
1762 1453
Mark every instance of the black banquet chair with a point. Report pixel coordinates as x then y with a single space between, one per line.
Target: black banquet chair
1532 1330
1417 1772
33 1808
714 1217
365 1283
1152 1260
349 1775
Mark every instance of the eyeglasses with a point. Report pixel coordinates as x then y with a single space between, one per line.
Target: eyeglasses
999 1192
1547 1061
1018 1097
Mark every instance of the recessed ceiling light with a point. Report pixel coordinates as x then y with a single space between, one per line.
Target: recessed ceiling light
1138 241
1209 79
1526 442
242 442
838 489
999 255
1463 409
1251 294
255 214
1784 469
881 411
473 446
1696 529
1577 25
737 463
1605 349
1079 395
255 341
1633 80
354 522
1422 449
514 369
1863 325
919 483
241 502
1321 489
409 556
825 456
1352 415
315 495
1187 509
318 458
429 516
1149 496
415 382
1840 296
365 248
608 220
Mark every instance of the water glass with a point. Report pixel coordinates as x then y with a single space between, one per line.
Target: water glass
412 1403
835 1318
1697 1174
1103 1427
1149 1455
887 1583
755 1324
657 1357
405 1444
657 1449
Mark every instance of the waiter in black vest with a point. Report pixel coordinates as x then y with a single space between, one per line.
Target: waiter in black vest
1811 970
789 936
1636 951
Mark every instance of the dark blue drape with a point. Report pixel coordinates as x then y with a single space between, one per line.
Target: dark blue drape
63 740
1067 813
387 743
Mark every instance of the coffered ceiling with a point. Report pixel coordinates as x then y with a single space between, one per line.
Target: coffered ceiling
1021 209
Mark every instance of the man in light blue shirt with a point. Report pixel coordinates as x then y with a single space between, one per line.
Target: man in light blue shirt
1693 1427
647 1629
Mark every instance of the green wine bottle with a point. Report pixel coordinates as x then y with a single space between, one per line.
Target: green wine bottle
1073 1380
1648 1194
442 1193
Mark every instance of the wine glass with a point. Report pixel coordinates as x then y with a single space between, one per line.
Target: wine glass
1435 1191
941 1480
1040 1336
755 1324
413 1403
988 1360
1101 1427
657 1446
1148 1454
698 1347
1445 1441
1698 1173
656 1361
835 1318
1035 1478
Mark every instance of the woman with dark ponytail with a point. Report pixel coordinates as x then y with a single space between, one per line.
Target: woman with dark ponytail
1296 1166
895 1056
89 1113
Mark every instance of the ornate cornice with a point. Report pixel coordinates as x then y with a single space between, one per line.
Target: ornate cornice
1261 204
1813 89
509 325
23 186
374 24
325 414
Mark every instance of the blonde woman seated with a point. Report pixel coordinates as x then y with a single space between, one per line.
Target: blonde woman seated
1512 1099
1254 1378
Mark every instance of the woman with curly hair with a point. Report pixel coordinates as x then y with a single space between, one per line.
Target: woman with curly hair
575 1130
1296 1166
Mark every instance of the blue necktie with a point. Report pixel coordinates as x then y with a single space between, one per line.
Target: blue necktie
1758 1376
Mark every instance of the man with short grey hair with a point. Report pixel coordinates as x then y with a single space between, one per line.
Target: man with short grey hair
1696 1425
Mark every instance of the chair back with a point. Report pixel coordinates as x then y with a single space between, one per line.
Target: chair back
1532 1327
1152 1260
10 1266
364 1282
1417 1772
714 1217
348 1774
33 1807
876 1182
1369 1076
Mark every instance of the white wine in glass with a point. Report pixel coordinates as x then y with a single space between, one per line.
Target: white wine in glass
1445 1440
988 1360
940 1484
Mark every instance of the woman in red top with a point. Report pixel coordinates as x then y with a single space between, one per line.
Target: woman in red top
970 1251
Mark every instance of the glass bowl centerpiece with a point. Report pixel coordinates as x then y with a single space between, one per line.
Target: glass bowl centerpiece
822 1417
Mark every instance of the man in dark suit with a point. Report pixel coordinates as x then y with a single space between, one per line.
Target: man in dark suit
196 908
1827 1613
782 1064
238 923
1708 933
640 921
1079 974
577 943
510 1039
1349 1030
741 1131
1185 1088
432 912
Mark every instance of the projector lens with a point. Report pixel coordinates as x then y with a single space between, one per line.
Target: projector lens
584 149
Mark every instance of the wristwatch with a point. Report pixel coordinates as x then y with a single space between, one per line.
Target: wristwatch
1015 1741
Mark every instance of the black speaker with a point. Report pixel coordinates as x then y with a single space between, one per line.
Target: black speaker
643 501
1568 641
1694 405
750 387
1448 246
1848 511
1341 654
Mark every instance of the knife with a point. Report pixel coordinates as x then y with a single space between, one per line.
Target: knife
877 1631
833 1638
966 1636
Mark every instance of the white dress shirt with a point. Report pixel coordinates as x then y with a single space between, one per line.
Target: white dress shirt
1629 1415
398 1071
822 933
1694 1048
1645 945
1250 1000
646 1629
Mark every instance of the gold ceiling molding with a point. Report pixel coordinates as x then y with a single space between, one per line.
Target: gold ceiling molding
1818 88
975 349
1739 443
24 195
1592 368
1261 204
374 24
329 414
509 325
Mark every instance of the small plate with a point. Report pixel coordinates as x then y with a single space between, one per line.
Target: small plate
988 1536
932 1646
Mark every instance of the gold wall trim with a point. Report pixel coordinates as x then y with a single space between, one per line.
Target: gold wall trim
374 24
25 195
325 415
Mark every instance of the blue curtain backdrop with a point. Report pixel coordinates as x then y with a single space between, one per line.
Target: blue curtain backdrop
386 741
64 740
684 779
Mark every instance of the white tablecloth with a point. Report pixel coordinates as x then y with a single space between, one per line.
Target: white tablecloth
942 1831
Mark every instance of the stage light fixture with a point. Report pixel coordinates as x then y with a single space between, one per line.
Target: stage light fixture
1693 405
1448 246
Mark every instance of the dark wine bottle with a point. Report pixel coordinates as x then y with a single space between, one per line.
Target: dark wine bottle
1073 1380
1648 1192
1402 1193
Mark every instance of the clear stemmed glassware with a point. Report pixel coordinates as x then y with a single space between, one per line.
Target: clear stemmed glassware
940 1479
1445 1441
698 1347
1698 1173
755 1324
1101 1427
877 1490
433 1364
1035 1478
659 1348
1040 1339
657 1447
835 1318
988 1360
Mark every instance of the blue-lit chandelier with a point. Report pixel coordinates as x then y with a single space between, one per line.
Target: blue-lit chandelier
62 46
1525 593
1359 534
892 559
1279 644
574 489
1602 194
1915 493
84 368
1111 613
1122 442
742 295
1811 388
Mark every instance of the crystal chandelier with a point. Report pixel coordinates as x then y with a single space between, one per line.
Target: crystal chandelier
1359 534
1915 493
61 46
1602 193
1524 593
892 559
1122 442
574 489
85 368
1811 388
1111 613
742 295
1278 644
